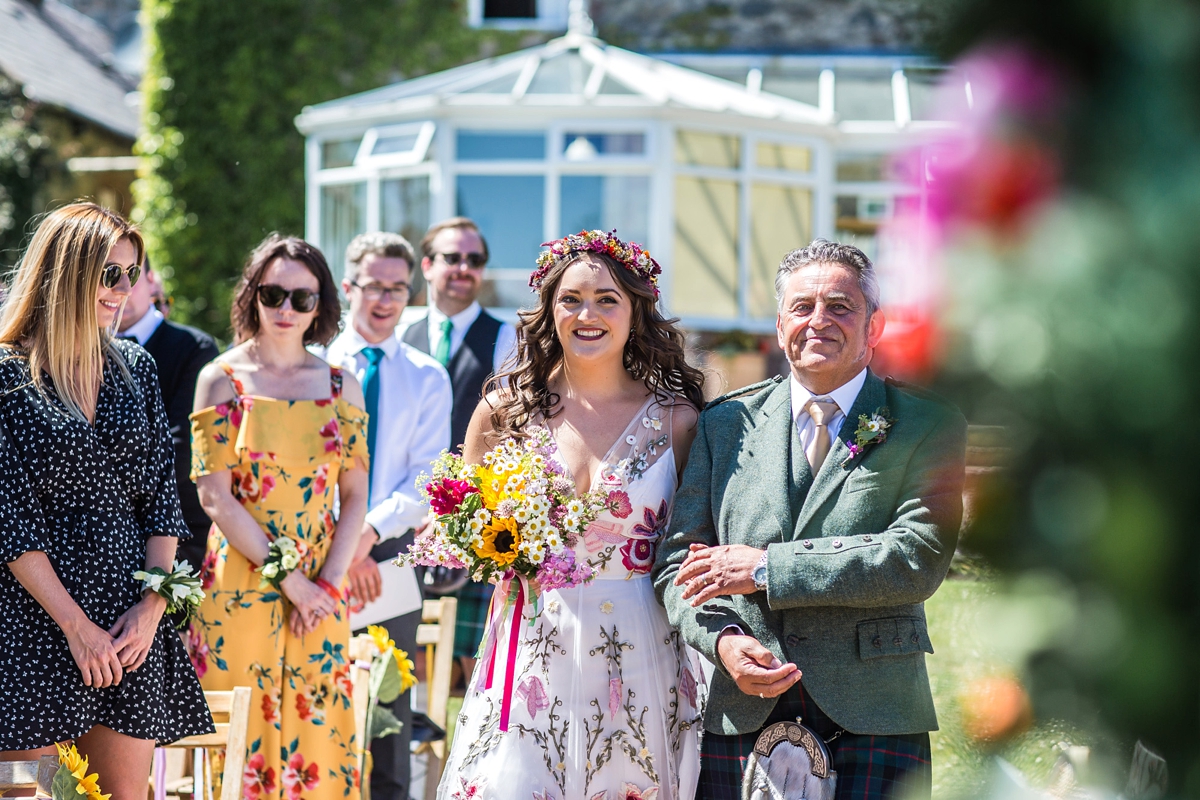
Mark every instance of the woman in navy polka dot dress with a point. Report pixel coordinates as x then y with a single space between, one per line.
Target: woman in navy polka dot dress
87 498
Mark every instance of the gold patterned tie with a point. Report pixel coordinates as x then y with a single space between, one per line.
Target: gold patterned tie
822 412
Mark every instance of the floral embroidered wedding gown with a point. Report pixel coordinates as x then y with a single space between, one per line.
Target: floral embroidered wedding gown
606 704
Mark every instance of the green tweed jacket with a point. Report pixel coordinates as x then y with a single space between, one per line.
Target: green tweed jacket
846 581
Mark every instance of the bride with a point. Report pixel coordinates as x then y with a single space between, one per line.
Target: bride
607 702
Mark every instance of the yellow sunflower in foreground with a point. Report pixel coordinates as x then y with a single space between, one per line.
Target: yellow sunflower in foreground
77 765
500 541
403 663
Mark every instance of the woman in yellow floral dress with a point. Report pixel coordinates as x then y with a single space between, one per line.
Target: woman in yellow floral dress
275 431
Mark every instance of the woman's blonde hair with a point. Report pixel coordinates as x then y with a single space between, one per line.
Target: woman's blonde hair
50 309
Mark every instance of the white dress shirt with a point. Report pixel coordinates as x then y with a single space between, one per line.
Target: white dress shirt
414 425
145 327
844 396
506 339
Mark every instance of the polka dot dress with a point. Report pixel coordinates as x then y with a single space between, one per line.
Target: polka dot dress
87 496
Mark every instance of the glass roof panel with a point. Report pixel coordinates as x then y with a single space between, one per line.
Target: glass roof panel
797 83
502 85
611 85
563 74
936 94
863 95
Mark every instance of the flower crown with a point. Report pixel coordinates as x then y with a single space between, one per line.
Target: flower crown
631 255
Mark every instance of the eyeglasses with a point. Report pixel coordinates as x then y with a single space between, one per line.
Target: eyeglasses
474 260
110 276
303 300
375 291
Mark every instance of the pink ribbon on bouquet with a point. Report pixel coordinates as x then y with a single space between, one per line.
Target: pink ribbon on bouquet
496 620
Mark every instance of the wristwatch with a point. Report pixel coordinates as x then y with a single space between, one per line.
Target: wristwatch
760 573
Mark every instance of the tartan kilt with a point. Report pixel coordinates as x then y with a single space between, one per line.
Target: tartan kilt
868 767
471 620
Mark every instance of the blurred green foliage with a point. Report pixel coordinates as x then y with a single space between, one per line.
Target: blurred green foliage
26 164
1077 333
223 164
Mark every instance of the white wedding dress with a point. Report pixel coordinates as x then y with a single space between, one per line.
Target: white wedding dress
606 700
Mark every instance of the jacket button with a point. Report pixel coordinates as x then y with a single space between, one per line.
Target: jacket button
793 640
877 642
867 538
808 544
916 639
897 641
837 542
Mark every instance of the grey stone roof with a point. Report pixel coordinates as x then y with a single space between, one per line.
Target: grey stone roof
774 26
54 53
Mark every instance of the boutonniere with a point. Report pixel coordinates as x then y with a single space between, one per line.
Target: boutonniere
871 430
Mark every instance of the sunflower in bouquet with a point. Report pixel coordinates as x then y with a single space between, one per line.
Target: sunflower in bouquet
516 515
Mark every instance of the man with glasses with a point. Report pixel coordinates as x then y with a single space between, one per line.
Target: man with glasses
180 353
471 344
408 398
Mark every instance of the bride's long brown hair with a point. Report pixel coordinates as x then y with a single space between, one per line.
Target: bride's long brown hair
653 354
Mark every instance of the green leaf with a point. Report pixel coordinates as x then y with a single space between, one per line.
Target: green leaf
382 723
385 679
63 787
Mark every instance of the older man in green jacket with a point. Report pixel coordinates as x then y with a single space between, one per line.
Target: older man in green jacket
816 514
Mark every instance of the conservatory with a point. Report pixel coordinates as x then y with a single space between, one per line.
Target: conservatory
719 165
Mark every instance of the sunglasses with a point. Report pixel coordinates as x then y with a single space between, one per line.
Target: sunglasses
303 300
474 260
110 276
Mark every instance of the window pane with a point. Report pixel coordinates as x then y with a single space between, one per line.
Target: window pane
611 85
798 84
500 145
707 149
929 100
343 216
704 276
863 95
863 167
780 221
507 9
506 289
586 146
565 74
604 202
339 153
404 207
784 156
858 218
400 143
508 211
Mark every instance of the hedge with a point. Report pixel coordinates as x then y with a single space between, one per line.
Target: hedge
222 163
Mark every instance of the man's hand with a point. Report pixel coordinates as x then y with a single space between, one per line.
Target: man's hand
365 582
754 668
713 571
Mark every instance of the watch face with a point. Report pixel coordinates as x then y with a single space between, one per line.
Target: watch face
760 576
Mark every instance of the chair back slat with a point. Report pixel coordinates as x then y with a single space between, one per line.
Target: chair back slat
37 775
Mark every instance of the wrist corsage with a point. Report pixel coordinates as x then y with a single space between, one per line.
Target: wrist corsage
283 555
180 588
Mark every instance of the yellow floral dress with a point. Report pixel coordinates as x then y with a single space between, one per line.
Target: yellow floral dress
285 457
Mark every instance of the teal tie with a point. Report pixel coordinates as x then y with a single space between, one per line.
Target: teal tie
443 351
371 393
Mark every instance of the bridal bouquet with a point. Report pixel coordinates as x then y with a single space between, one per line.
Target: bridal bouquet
514 516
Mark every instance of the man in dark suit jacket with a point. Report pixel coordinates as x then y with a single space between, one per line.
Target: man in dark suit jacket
180 352
471 344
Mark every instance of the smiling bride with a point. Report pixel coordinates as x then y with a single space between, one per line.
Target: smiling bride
607 698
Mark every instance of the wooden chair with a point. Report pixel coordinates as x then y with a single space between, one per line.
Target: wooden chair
436 635
231 715
362 651
37 775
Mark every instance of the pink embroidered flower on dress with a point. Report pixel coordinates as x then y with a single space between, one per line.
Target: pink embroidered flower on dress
618 504
637 555
614 697
533 693
687 687
632 792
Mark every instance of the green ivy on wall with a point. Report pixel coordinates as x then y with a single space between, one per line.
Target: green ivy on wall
26 164
223 164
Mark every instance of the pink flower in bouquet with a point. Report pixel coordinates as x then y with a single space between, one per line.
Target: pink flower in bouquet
446 495
560 571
